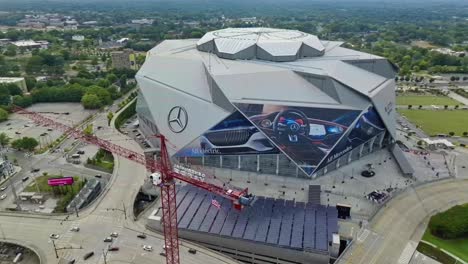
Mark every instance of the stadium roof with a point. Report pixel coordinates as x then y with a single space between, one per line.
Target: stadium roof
261 43
228 67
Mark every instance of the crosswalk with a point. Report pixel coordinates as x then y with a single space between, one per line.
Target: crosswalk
69 234
407 253
65 241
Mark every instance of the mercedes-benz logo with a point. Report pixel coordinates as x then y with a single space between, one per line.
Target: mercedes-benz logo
294 127
177 119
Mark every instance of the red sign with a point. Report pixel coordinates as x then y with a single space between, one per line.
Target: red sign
60 181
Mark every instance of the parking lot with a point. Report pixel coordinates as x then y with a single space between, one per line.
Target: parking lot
19 126
130 129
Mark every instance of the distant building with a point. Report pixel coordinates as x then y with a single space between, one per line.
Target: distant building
110 45
19 81
71 22
78 37
123 40
70 27
192 23
31 24
56 23
448 51
89 24
31 44
6 168
124 59
4 41
143 21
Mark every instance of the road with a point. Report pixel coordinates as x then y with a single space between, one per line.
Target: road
99 220
403 221
458 98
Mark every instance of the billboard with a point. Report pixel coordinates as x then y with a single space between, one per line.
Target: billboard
365 128
305 134
60 181
235 135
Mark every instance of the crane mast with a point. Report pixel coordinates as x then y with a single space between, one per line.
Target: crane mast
239 197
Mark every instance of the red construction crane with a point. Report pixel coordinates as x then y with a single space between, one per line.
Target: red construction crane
239 198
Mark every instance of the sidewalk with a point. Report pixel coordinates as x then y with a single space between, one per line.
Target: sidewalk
17 169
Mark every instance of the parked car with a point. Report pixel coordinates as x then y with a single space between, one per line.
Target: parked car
108 239
114 234
3 188
35 170
98 176
81 152
162 254
142 236
88 255
75 229
3 197
147 248
113 248
54 236
25 178
192 251
71 261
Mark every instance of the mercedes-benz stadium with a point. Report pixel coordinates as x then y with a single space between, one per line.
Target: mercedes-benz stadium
271 101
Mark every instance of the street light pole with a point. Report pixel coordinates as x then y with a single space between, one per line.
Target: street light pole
55 249
3 233
124 210
104 254
13 189
76 210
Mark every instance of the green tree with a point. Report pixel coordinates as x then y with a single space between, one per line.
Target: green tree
103 94
3 115
34 64
103 83
10 51
112 78
94 61
110 115
22 101
30 83
123 82
13 89
4 139
91 101
26 143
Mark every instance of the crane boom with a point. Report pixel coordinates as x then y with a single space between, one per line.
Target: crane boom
168 192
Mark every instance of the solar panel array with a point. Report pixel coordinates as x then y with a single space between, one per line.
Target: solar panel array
279 222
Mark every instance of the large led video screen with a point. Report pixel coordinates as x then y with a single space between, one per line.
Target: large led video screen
235 135
366 127
305 134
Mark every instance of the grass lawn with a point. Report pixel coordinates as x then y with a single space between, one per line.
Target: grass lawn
439 121
45 188
65 194
109 166
458 247
104 160
435 253
417 100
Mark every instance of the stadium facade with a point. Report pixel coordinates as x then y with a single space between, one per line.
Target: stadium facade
266 100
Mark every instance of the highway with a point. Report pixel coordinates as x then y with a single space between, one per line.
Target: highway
403 221
99 220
